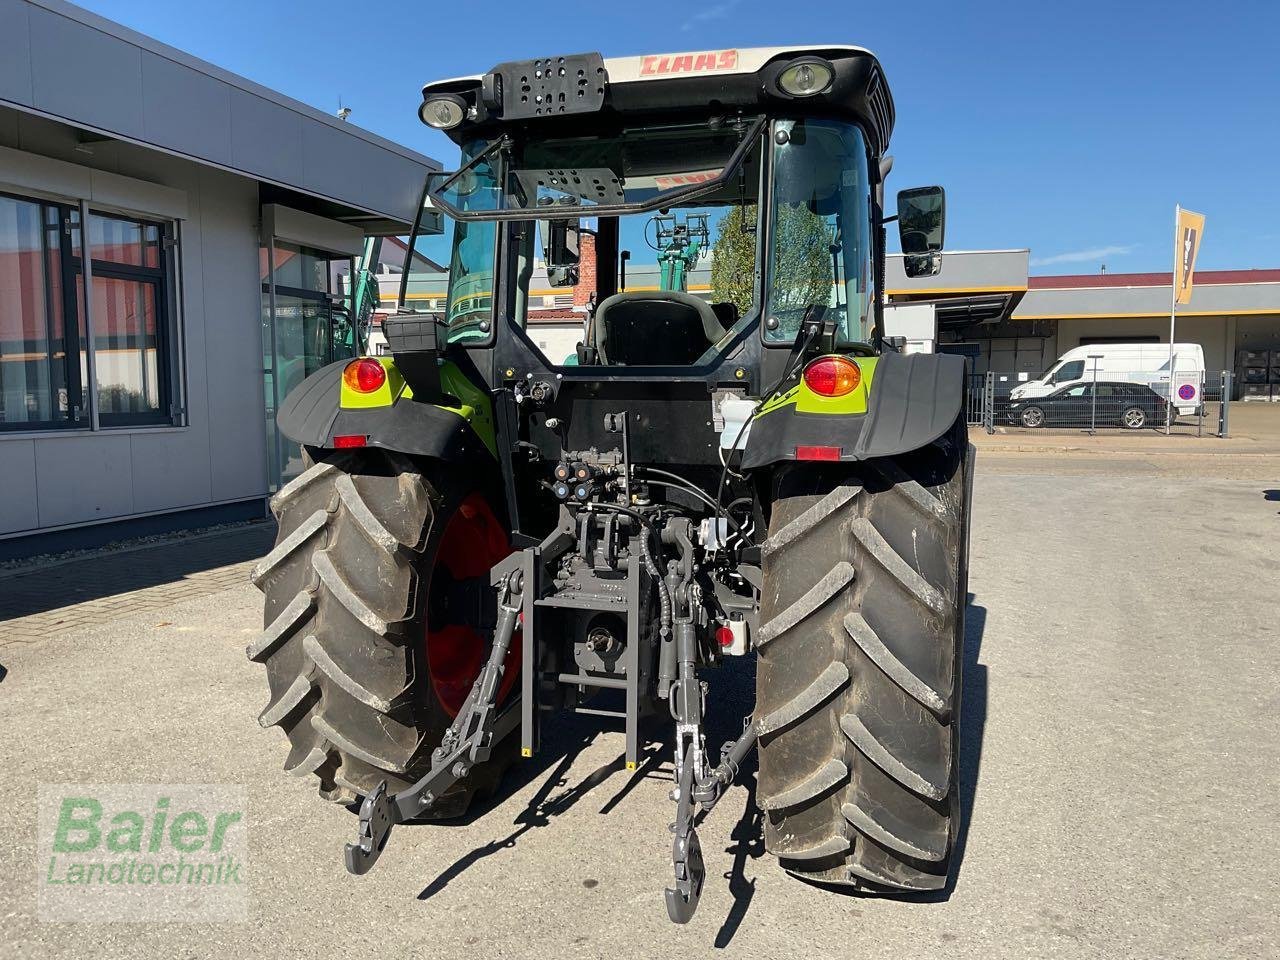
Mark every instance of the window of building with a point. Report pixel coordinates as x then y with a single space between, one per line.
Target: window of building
40 376
50 374
129 328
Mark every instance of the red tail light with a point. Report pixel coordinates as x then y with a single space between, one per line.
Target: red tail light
350 440
832 376
364 375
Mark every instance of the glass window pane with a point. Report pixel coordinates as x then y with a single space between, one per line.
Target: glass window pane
33 386
126 346
820 229
300 269
117 240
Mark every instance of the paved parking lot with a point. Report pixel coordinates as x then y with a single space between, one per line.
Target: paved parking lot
1121 761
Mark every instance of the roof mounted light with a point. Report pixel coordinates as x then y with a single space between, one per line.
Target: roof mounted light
806 77
443 111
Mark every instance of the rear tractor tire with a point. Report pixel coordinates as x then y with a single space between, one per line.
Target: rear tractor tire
361 684
859 675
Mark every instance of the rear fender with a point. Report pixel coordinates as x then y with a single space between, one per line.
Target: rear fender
323 407
905 402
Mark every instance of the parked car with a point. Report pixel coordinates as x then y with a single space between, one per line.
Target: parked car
1143 363
1129 405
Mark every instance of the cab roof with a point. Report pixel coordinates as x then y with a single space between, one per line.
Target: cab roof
578 89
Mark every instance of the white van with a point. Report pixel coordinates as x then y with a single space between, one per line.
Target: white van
1146 363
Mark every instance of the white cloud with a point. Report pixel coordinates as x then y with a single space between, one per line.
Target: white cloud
717 11
1084 256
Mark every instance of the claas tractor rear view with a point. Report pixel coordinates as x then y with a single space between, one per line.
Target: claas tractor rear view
489 537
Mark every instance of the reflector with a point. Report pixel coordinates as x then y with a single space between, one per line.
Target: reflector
817 453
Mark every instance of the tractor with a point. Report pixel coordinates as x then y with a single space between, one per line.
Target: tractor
486 540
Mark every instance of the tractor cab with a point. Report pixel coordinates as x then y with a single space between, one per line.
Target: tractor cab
752 178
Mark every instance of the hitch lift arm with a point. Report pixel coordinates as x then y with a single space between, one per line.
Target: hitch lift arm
468 741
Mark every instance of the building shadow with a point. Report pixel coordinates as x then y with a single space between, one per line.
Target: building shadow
64 581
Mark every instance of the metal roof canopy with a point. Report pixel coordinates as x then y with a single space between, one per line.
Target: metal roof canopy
67 64
973 287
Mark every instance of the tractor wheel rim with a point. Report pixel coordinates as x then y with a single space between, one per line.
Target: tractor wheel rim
472 542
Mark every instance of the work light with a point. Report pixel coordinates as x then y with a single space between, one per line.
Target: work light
804 78
444 111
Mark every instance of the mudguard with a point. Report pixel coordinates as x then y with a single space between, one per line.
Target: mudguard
319 409
910 401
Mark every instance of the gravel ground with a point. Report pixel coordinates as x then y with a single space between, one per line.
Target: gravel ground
1120 763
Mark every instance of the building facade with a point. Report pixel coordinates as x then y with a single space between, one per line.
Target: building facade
172 239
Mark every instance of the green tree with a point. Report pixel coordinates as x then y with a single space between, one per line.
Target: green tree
733 259
801 272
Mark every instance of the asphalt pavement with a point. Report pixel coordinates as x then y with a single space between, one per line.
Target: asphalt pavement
1122 742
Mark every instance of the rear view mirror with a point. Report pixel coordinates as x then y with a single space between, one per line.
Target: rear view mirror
921 223
560 251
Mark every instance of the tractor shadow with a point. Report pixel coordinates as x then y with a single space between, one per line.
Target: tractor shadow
748 845
973 724
554 797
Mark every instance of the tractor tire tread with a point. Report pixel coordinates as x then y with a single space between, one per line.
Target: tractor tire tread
865 573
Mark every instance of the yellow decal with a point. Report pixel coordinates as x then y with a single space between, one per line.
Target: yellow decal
804 400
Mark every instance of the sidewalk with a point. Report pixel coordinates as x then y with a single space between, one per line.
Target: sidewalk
107 584
1144 443
1254 427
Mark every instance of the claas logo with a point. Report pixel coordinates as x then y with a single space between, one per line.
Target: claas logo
689 63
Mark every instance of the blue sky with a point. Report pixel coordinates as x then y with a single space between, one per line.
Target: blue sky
1069 128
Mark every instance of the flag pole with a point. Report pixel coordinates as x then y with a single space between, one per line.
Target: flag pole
1173 313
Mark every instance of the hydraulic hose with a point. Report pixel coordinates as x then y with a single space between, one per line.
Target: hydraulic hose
664 597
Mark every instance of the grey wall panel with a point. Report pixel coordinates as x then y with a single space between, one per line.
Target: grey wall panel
186 110
335 165
15 52
84 478
93 74
265 138
964 270
18 485
77 72
232 291
170 469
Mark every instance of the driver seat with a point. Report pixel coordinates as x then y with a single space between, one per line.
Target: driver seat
657 328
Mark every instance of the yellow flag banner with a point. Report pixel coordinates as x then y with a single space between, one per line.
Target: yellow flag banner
1186 246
